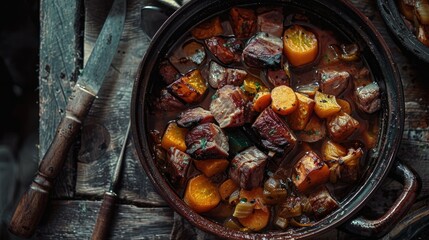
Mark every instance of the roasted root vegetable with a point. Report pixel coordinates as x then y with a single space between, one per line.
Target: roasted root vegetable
261 101
201 194
207 29
227 188
211 167
332 151
310 171
300 45
284 100
256 221
314 131
190 88
300 117
345 106
253 85
326 105
174 136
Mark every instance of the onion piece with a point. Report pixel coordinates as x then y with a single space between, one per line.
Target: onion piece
422 11
243 209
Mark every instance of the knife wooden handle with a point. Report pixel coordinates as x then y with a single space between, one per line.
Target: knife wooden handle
32 204
102 226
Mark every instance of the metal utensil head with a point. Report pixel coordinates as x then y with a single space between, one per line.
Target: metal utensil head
104 50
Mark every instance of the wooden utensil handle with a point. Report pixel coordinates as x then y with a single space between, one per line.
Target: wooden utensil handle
32 205
102 226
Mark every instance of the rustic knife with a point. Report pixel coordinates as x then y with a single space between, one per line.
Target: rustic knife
32 204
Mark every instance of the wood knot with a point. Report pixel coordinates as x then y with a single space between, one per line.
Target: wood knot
95 140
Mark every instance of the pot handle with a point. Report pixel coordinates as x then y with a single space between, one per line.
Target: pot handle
379 227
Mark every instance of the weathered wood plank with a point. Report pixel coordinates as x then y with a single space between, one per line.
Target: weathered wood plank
129 222
60 61
105 126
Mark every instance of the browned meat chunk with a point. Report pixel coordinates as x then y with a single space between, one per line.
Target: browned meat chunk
194 116
227 51
278 77
368 97
168 102
247 168
341 125
263 50
207 141
220 76
322 203
229 106
274 132
177 165
243 22
333 82
271 22
349 165
168 73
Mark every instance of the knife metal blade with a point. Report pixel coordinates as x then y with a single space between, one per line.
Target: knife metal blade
32 204
104 49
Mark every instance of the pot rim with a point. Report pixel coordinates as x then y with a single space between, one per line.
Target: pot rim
389 141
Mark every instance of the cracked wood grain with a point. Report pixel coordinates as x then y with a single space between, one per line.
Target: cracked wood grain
60 61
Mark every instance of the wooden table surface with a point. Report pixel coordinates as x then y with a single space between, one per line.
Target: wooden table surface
68 32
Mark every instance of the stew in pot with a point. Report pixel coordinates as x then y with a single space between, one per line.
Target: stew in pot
263 118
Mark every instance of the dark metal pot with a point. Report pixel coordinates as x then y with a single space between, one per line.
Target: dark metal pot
349 21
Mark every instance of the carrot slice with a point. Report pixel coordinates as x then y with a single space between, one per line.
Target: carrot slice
227 188
211 167
256 221
326 105
345 106
253 195
299 118
300 45
284 100
174 136
261 101
201 194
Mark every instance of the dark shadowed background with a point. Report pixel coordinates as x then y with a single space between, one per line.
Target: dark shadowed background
19 47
